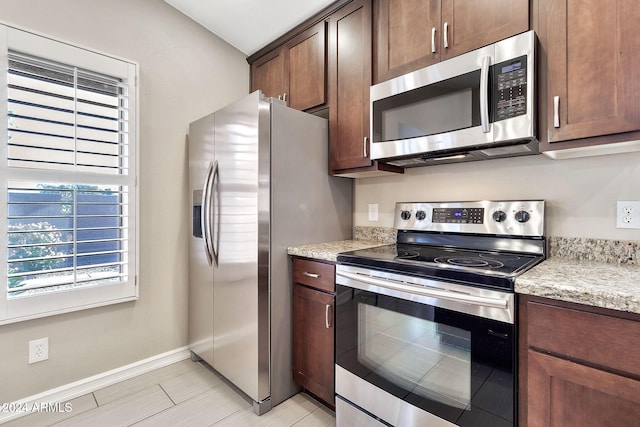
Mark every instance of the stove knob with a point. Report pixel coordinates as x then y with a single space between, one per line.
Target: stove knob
420 215
499 216
405 215
522 216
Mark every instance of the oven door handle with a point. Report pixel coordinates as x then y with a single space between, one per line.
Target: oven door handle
432 293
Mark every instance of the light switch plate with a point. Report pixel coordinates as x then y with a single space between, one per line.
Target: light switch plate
628 214
373 211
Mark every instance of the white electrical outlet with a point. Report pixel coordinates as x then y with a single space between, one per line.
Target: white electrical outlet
628 214
373 211
38 350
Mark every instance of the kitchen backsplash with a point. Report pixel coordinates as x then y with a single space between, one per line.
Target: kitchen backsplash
586 249
611 251
375 234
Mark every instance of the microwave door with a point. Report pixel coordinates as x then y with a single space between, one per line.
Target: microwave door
438 109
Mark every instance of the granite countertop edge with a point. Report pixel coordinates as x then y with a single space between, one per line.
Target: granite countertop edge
329 251
593 283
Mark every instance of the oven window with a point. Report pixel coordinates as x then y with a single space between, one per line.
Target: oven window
432 360
456 366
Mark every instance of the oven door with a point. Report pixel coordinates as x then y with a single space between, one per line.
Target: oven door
406 359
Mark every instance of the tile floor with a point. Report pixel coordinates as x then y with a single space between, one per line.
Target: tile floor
182 394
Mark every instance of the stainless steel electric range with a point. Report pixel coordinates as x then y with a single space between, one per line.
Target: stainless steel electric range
426 327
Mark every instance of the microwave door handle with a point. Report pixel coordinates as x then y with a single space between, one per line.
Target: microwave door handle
484 94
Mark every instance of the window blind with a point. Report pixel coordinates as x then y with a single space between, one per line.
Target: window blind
68 234
65 118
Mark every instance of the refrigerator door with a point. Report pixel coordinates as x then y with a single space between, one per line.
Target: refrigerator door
201 156
241 242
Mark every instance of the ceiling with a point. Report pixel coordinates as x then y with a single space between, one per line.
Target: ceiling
249 25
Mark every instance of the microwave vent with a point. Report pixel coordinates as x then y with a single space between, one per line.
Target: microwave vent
507 150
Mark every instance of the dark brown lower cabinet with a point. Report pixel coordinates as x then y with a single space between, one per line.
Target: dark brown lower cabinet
566 393
578 365
313 332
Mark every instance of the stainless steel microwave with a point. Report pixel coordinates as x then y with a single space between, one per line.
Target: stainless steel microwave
479 105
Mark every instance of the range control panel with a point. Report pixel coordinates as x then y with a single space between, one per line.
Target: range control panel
510 217
458 215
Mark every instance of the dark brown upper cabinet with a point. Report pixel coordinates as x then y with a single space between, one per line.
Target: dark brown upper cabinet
589 85
267 74
349 84
350 79
296 71
412 34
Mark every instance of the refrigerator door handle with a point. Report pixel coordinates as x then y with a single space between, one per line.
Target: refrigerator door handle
215 241
205 218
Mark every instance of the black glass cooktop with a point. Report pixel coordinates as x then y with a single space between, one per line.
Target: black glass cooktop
481 268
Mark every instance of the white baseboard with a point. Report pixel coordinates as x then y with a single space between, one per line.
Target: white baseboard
95 382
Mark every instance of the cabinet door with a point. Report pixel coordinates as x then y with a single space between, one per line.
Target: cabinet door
590 61
306 68
350 79
564 393
406 36
313 341
267 74
473 24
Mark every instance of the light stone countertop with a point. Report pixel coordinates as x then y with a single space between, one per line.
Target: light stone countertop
593 283
329 251
599 273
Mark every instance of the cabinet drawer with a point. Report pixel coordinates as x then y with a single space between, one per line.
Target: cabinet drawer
316 274
598 339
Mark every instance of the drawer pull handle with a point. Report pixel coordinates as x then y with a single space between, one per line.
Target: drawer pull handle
314 275
326 316
433 40
446 35
556 111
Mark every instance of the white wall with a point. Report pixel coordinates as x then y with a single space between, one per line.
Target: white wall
581 194
185 73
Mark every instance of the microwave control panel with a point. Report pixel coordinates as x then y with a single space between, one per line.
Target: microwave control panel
510 88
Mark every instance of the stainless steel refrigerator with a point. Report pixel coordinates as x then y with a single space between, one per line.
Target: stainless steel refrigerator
259 182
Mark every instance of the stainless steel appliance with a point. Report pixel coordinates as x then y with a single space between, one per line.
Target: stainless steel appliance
426 327
259 183
479 105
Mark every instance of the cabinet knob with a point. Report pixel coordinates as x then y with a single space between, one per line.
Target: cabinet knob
364 146
556 111
313 275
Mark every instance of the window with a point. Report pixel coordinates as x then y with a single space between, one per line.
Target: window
69 168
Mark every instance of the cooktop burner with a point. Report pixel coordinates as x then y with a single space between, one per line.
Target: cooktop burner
470 262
